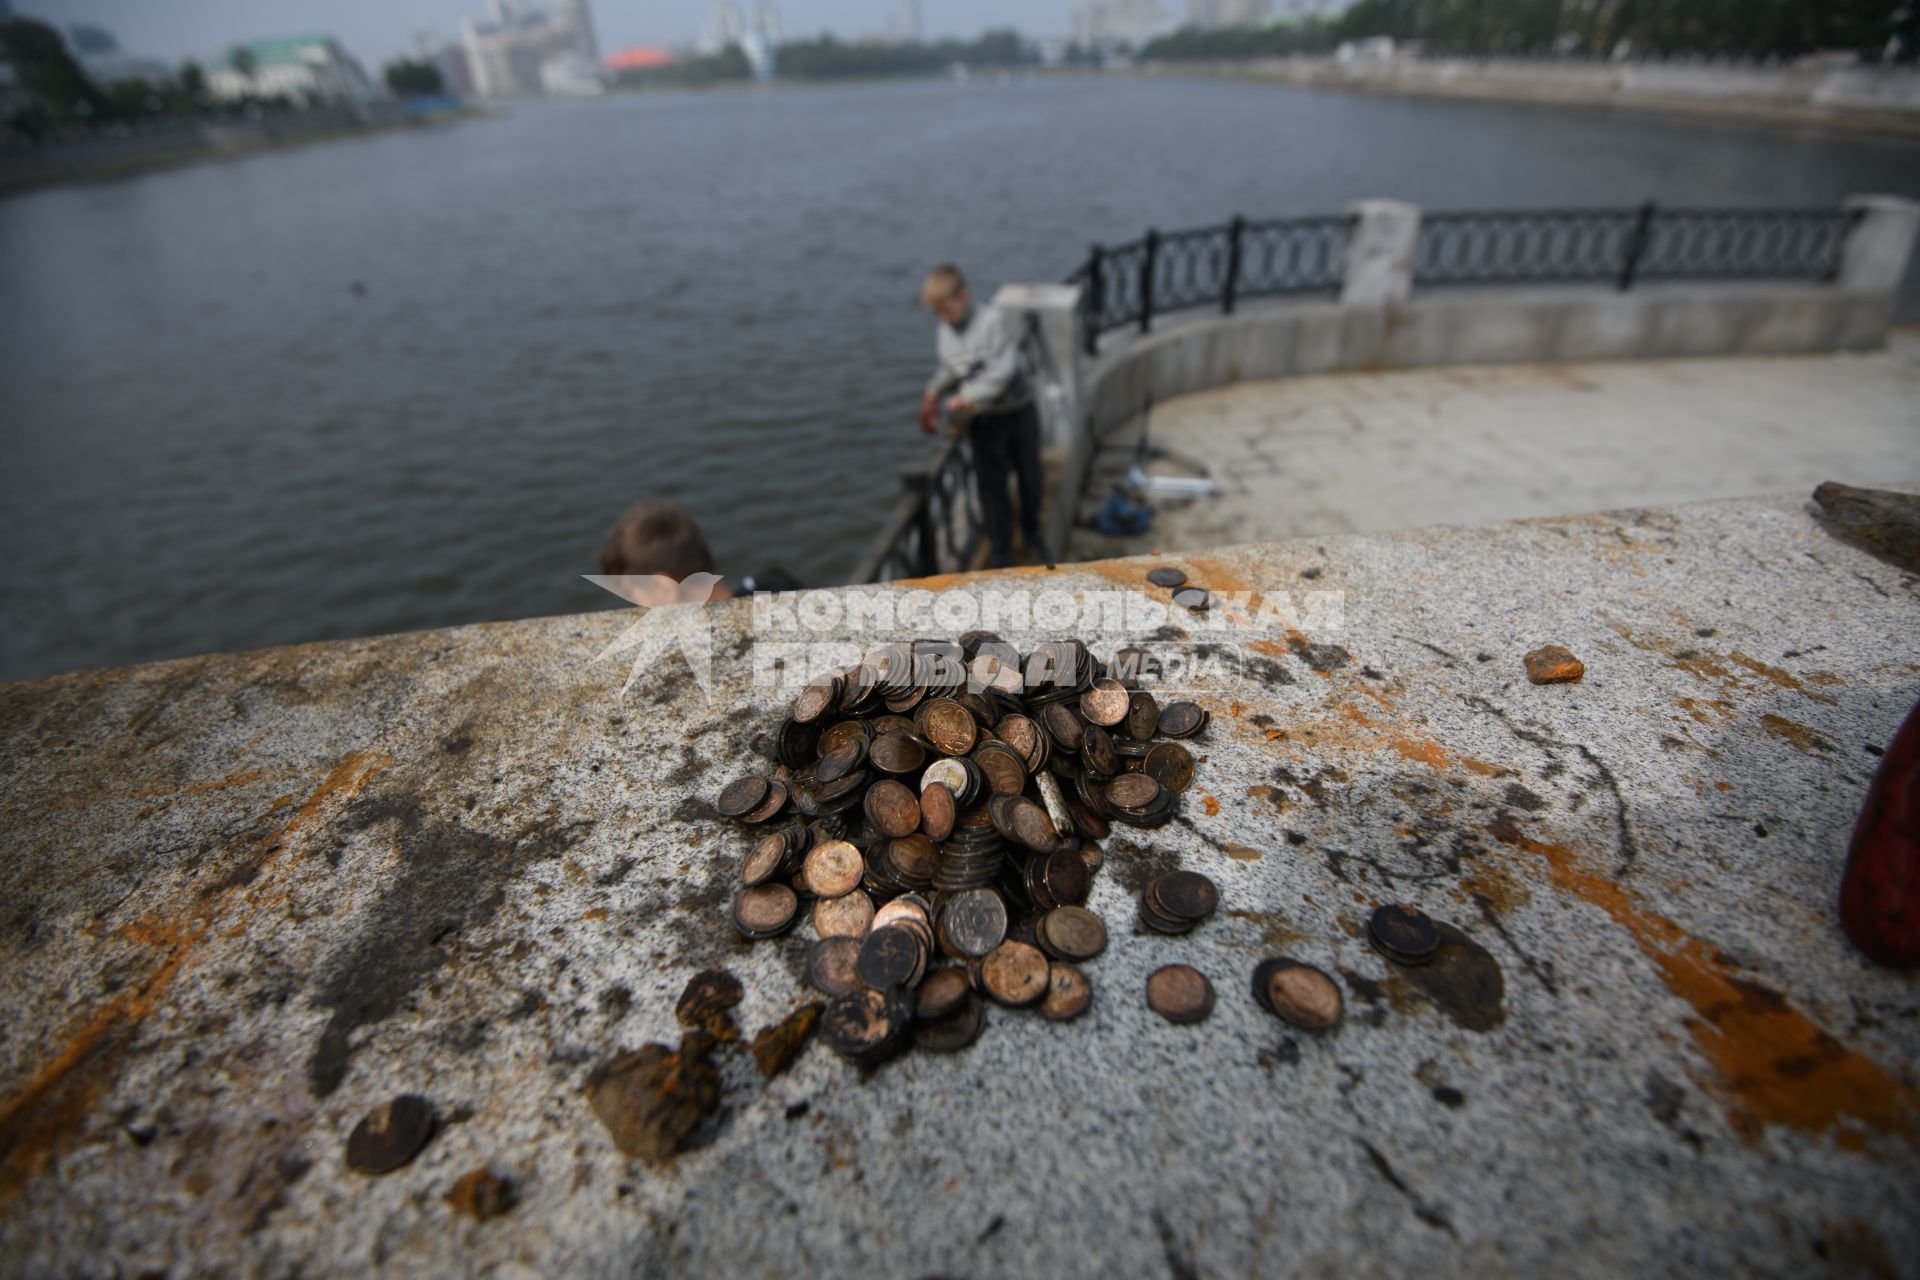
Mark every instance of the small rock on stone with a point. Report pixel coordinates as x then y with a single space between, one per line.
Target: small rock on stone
776 1047
1553 665
704 1004
480 1195
652 1098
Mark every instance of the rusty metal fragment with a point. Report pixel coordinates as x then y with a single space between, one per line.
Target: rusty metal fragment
652 1098
775 1048
481 1195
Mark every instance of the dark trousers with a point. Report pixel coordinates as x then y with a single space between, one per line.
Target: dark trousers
1003 443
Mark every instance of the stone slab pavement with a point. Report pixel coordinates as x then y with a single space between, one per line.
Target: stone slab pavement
245 898
1352 453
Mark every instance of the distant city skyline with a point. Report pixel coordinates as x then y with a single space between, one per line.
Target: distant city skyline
378 31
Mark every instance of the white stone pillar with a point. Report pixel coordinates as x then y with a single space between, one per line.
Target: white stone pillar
1057 307
1379 267
1878 247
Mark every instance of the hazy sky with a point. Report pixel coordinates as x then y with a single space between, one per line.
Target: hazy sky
377 30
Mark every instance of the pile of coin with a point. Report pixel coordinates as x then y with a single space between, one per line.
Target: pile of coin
1177 902
940 804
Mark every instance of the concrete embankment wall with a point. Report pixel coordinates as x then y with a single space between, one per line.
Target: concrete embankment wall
1869 96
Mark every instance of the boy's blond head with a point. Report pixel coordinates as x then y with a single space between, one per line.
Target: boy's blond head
942 283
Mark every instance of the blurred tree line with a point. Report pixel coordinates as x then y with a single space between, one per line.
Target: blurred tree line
828 58
1597 28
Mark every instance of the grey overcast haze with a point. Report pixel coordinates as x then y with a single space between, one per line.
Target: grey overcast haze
376 31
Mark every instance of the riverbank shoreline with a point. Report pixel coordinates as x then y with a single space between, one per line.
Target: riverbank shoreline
1782 99
110 160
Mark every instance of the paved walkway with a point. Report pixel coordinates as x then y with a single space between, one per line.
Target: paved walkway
1351 453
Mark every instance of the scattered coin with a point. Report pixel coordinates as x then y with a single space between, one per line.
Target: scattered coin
1170 765
893 808
1193 599
937 811
865 1026
973 922
390 1135
956 1030
833 966
1143 715
770 808
890 958
842 759
765 911
1186 895
1299 994
1068 994
1404 934
1072 933
1182 719
1106 704
943 991
742 796
1166 576
764 861
833 868
897 753
848 916
1014 974
1179 993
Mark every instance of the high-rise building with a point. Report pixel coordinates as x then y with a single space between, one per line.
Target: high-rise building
518 49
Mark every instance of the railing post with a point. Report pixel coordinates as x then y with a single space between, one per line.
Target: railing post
1227 295
1637 245
1874 257
1146 281
1095 301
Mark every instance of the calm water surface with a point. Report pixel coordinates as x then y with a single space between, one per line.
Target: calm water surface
214 440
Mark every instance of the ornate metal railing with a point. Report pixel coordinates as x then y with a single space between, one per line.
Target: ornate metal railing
1620 246
1209 266
1132 284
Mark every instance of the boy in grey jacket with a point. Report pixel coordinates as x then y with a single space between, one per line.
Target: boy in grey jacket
979 378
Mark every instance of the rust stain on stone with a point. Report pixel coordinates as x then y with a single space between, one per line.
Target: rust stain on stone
1772 1064
50 1109
1803 738
1774 675
243 778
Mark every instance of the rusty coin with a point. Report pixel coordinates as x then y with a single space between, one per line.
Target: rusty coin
1068 994
1131 791
1025 737
390 1135
956 1030
765 910
897 753
1065 725
764 860
1072 933
1106 703
1186 895
1097 751
1014 974
1067 877
833 868
770 808
1166 576
974 921
1405 934
890 957
848 916
742 796
1170 765
1179 993
842 760
1181 719
1304 996
860 1025
892 808
833 966
1143 716
943 991
949 726
816 700
1006 769
936 811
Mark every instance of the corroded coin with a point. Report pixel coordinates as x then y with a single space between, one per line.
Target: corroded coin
956 1030
1068 993
765 910
838 734
1025 737
1166 576
1067 878
833 966
1143 716
1303 996
771 807
949 726
1170 765
991 671
1072 933
937 811
742 795
816 700
1097 751
1131 791
1182 719
1179 993
1065 724
890 957
897 753
974 921
943 991
843 759
1005 769
764 860
914 859
1106 703
1014 974
390 1135
833 868
892 808
848 916
1404 933
1194 599
1186 895
859 1025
